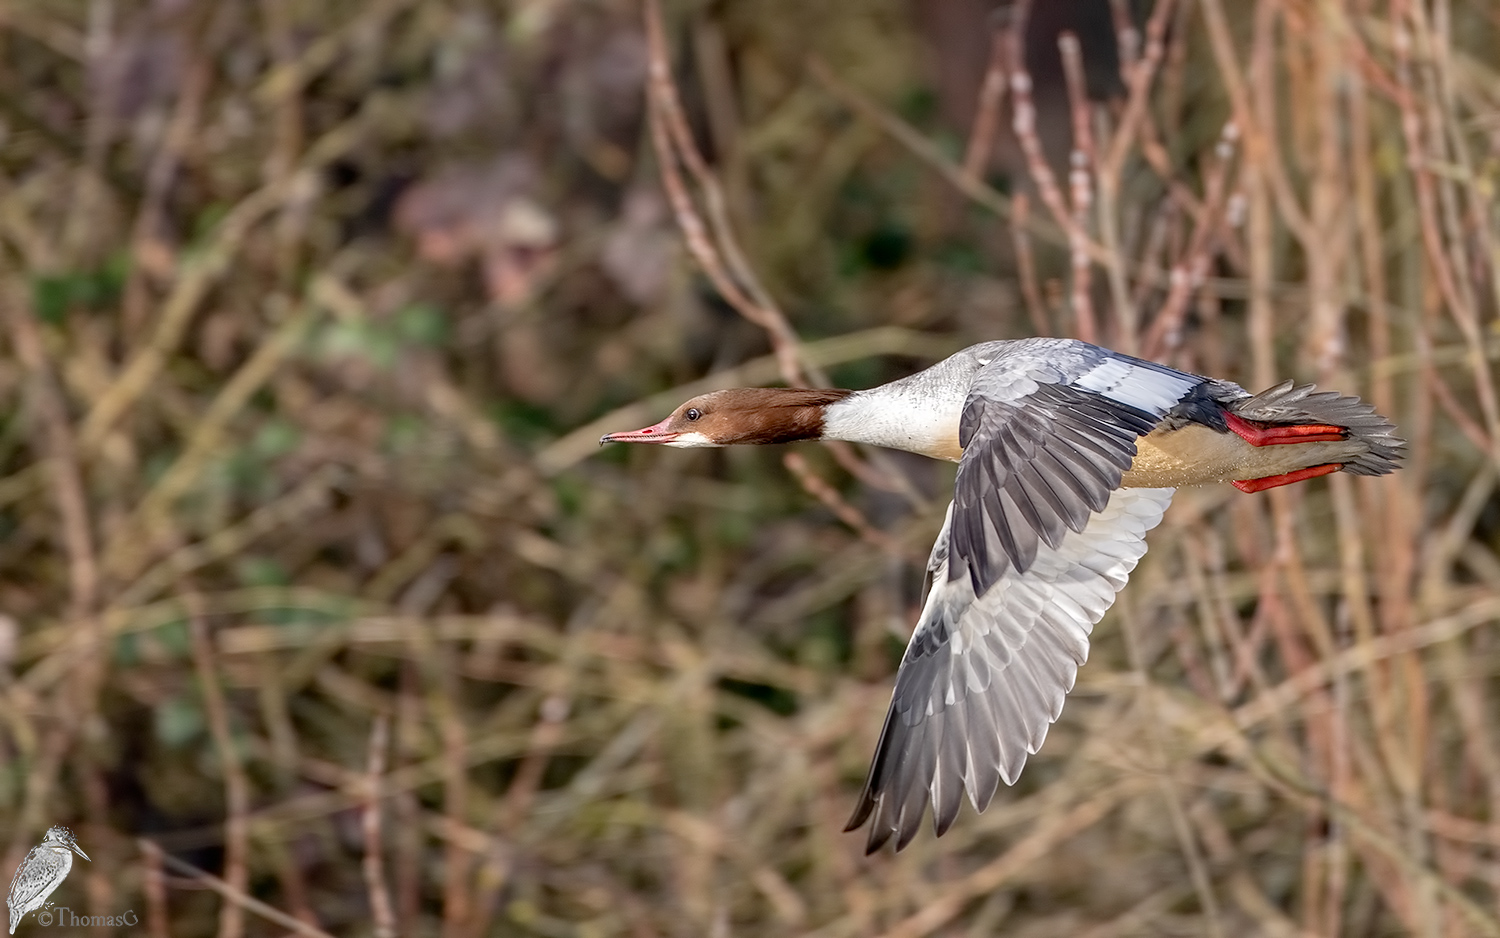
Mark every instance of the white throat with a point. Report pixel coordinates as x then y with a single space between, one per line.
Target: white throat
902 415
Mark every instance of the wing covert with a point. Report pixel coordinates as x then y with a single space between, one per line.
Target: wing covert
1046 440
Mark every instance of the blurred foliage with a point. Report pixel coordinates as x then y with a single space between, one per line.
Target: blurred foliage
314 312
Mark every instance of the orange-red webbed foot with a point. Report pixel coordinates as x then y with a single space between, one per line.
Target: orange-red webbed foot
1286 478
1260 434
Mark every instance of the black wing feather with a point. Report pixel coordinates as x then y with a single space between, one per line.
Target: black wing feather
1056 439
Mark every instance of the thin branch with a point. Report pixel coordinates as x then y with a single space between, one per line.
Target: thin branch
1138 80
674 144
1081 162
61 447
380 897
1026 264
841 508
987 112
154 885
234 895
1412 127
1260 143
928 152
1023 123
236 785
1189 273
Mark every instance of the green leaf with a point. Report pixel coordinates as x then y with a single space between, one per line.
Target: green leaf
54 295
50 297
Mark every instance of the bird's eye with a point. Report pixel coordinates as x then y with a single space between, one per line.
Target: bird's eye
693 413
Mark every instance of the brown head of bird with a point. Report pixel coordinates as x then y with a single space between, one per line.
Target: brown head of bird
739 415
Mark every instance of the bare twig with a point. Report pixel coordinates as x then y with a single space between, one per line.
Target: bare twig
154 886
62 450
1023 122
234 895
717 252
835 503
1189 272
236 785
987 112
80 699
1138 79
1171 790
1081 162
148 247
381 913
1026 264
976 190
1047 836
1412 127
191 289
1259 140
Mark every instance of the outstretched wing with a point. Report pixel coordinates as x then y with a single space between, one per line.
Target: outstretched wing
985 676
1048 430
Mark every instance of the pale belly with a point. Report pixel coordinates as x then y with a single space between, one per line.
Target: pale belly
1196 455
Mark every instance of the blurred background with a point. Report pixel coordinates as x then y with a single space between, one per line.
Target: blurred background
321 611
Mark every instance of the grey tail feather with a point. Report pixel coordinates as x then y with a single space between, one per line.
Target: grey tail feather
1291 404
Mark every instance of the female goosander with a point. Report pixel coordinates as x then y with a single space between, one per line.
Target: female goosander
1067 455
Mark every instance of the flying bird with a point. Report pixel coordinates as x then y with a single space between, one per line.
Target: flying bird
1068 454
43 870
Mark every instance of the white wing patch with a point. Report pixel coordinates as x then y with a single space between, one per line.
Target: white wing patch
1154 390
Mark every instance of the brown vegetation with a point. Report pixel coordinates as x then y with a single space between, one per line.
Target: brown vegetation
320 611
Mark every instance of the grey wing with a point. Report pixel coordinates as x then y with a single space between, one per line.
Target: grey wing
36 878
984 677
1048 431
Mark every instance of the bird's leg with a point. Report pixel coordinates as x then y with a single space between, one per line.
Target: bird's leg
1286 478
1259 434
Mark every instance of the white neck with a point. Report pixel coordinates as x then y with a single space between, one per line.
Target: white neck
919 418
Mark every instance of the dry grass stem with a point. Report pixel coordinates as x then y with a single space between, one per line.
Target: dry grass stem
381 913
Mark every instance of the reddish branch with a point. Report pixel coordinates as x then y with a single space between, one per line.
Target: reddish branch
714 248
